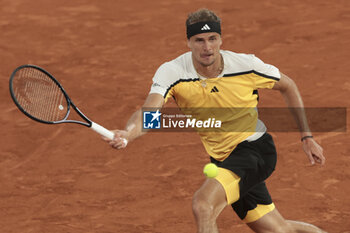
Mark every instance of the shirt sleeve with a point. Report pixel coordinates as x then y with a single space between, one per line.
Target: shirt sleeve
163 80
266 75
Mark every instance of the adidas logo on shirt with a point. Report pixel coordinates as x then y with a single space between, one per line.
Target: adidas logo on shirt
205 27
214 89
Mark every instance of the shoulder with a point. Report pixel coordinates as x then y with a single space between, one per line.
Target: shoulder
178 68
171 72
237 62
237 57
181 63
241 62
243 59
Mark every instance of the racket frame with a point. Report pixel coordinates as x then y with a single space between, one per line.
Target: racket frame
88 122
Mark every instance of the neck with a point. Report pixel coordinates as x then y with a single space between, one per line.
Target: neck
211 71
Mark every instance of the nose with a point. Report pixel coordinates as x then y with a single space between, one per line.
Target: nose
206 46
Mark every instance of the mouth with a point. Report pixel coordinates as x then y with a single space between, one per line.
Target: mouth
207 55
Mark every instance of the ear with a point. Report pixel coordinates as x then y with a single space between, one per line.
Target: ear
220 41
189 44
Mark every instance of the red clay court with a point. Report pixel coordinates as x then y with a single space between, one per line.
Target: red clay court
64 178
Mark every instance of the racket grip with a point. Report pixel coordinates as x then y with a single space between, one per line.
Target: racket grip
102 130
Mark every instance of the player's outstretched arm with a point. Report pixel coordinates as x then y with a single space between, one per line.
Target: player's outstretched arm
133 128
290 93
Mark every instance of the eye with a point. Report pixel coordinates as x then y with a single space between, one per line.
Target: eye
212 38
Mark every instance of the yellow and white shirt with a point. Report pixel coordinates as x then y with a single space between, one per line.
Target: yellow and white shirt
235 88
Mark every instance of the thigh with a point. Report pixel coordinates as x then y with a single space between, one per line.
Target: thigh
242 177
252 162
254 204
271 222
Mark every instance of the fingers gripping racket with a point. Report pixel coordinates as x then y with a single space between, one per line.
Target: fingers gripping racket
42 98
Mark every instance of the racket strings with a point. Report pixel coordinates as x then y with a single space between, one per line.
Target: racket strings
39 95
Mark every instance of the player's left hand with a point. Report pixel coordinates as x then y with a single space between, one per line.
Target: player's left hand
314 151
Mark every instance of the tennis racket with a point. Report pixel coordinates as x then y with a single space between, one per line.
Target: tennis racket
42 98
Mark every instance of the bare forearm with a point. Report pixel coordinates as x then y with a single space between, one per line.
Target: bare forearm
293 99
134 126
296 106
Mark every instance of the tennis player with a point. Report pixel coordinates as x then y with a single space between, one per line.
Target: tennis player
207 77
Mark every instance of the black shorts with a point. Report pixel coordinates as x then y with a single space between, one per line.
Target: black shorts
253 162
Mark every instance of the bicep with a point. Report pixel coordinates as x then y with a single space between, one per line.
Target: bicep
284 83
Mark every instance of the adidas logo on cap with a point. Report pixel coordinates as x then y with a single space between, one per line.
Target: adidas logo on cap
205 27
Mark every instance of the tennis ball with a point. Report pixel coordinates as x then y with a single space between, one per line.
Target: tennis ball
210 170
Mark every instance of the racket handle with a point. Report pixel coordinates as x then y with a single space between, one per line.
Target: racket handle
102 130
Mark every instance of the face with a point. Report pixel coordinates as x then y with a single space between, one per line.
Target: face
205 47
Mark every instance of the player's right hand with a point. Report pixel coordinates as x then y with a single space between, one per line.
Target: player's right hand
120 139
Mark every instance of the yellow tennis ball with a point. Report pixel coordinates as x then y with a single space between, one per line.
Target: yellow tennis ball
210 170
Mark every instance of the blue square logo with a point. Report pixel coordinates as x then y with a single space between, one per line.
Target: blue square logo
151 119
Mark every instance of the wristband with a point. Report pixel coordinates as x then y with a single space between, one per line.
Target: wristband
305 137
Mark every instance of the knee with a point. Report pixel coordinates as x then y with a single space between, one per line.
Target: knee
202 209
284 227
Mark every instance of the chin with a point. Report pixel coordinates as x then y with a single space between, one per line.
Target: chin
207 63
